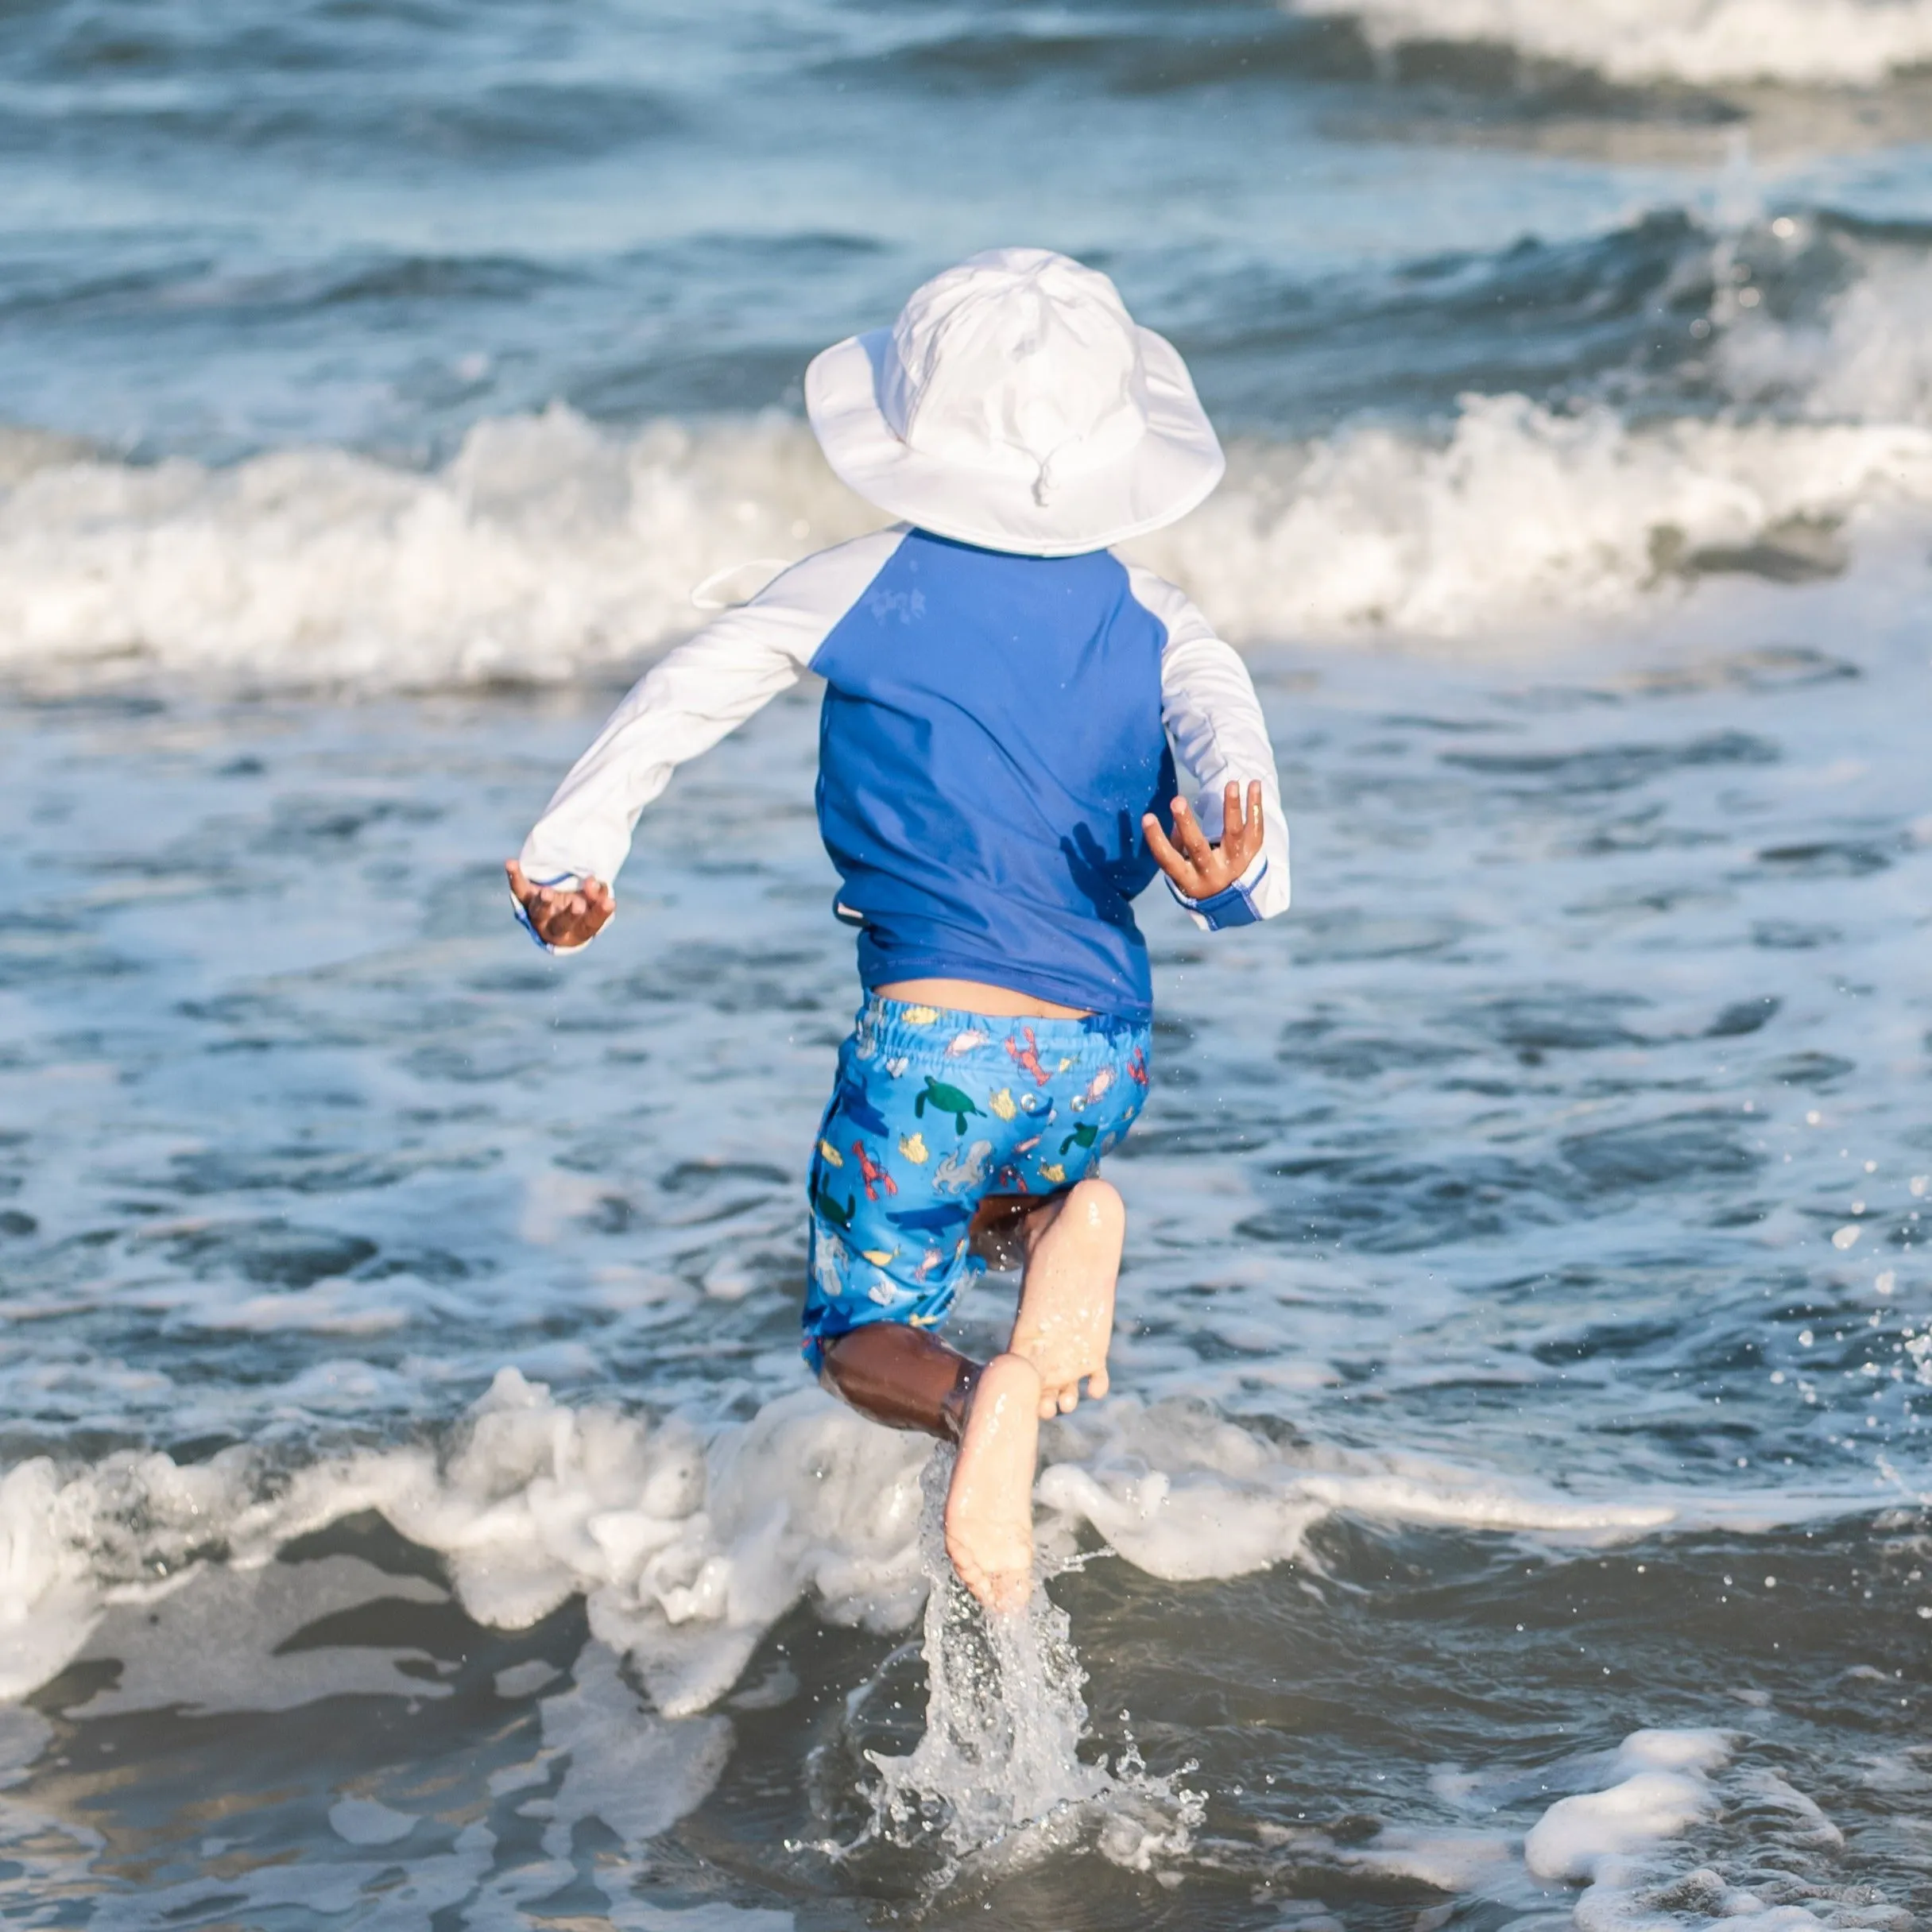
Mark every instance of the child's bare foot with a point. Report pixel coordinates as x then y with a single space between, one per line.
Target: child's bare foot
1066 1320
989 1507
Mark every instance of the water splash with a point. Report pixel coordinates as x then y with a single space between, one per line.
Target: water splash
997 1780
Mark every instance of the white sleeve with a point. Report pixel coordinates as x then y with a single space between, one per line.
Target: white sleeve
1214 723
688 700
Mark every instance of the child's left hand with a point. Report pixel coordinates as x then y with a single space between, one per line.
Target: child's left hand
566 919
1201 869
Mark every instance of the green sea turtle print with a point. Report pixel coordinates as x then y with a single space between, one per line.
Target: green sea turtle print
1084 1135
946 1100
829 1209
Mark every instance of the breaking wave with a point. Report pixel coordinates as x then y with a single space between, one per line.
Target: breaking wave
1784 412
689 1547
1826 42
548 549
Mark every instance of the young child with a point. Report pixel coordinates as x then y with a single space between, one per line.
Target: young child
1005 706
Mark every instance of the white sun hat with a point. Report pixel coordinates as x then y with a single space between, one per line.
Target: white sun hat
1016 404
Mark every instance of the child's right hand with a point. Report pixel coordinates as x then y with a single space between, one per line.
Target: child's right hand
1199 869
563 918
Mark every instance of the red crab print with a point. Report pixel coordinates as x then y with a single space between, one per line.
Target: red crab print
1027 1058
1136 1067
874 1175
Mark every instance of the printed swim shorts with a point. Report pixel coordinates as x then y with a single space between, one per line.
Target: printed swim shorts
934 1112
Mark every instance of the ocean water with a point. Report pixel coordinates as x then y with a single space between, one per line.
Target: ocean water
1513 1509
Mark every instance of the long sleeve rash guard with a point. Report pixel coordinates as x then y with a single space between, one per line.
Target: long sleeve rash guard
993 727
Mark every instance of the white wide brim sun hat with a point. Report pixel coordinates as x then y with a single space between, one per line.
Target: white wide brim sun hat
1015 405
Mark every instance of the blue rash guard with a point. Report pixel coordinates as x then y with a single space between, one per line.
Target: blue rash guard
994 727
991 736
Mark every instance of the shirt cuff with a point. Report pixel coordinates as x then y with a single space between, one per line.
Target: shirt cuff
1233 906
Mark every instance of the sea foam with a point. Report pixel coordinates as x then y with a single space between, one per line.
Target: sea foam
1617 1843
1828 42
1662 1788
548 548
687 1547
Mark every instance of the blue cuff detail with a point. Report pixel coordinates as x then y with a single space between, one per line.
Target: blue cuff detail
1233 906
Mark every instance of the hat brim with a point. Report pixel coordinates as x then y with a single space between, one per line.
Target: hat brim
1170 470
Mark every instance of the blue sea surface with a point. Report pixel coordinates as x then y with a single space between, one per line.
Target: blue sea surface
1511 1511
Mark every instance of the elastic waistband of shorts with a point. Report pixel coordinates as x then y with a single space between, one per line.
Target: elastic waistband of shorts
896 1023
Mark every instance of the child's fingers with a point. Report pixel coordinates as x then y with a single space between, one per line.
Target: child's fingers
1165 857
1192 840
568 911
1253 832
1236 838
1242 836
1233 827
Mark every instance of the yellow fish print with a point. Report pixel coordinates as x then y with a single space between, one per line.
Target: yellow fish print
831 1154
914 1148
878 1256
1002 1104
920 1016
1052 1171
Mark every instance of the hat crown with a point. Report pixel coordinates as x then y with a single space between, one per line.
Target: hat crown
1018 361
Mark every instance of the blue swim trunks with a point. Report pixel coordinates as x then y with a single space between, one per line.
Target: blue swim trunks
934 1112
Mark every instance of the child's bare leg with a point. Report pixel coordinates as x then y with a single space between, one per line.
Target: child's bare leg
908 1379
1061 1334
1065 1322
989 1507
904 1377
